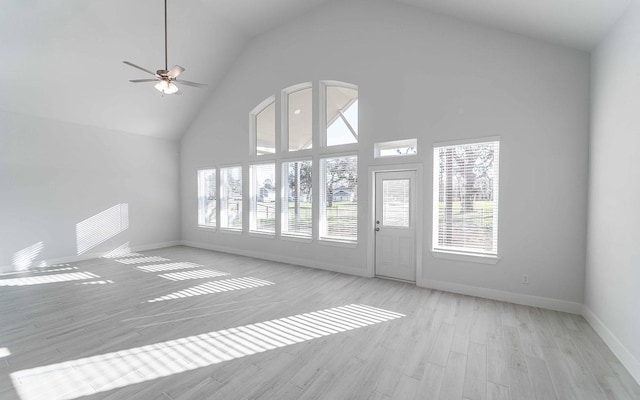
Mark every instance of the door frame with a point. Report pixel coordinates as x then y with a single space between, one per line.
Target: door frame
419 210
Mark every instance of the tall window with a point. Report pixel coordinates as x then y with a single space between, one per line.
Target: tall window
341 111
231 197
263 198
207 197
300 119
296 213
465 203
339 198
264 124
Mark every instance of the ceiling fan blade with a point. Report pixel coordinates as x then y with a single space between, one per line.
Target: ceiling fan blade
140 68
189 83
143 80
175 71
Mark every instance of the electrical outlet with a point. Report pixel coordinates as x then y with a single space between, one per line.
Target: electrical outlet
525 279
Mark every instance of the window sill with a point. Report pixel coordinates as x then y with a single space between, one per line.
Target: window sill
207 228
338 243
231 231
267 235
476 258
292 238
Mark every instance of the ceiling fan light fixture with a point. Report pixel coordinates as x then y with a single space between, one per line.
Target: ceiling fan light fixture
166 87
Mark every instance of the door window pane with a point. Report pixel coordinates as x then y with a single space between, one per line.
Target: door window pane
395 202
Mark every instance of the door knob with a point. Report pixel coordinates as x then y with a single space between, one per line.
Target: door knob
377 229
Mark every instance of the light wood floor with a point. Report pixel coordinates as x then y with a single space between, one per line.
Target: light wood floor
142 327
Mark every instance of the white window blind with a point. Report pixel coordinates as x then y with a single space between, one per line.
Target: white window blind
263 198
231 198
207 197
465 204
339 198
296 202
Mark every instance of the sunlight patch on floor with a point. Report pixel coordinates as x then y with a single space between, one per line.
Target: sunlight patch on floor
72 379
141 260
197 274
224 285
168 266
42 279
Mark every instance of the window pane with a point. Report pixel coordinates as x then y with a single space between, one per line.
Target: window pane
395 202
339 197
266 130
296 203
207 197
300 119
466 198
263 198
342 115
396 148
231 197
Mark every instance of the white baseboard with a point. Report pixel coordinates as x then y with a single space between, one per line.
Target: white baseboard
279 258
510 297
89 256
624 355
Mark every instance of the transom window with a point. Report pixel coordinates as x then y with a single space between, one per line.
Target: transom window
339 198
465 203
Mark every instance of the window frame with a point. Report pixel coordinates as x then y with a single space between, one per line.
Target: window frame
253 202
223 198
460 254
323 114
284 199
284 114
322 222
200 186
253 126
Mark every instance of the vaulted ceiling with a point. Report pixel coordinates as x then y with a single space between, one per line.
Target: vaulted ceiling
62 60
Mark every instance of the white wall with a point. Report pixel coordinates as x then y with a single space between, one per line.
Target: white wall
54 175
612 298
435 78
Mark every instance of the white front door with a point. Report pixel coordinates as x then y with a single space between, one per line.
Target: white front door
395 225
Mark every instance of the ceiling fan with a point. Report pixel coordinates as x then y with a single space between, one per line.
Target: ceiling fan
165 79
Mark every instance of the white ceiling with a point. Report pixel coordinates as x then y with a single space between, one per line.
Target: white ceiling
63 59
